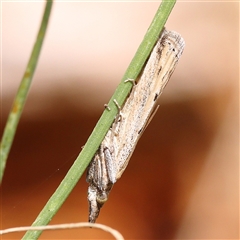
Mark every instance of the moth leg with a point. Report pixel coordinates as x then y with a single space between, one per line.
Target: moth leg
108 176
117 105
117 122
107 107
133 81
110 165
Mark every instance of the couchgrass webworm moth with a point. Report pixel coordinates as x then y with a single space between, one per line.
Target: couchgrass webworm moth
112 157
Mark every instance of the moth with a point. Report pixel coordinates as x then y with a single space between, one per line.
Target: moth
113 155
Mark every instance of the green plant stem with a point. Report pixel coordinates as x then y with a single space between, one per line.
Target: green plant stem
104 123
20 99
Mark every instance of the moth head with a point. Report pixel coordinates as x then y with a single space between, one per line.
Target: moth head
102 198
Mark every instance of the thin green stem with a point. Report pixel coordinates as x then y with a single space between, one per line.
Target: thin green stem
104 122
20 99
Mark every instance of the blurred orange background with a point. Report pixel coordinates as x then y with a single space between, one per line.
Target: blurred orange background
183 179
